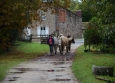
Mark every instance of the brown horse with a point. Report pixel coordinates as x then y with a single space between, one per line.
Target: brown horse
65 42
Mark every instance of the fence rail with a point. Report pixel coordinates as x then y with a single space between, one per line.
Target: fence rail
43 38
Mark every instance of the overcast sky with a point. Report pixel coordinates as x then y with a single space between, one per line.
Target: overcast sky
78 0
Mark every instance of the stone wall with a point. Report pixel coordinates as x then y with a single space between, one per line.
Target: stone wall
72 25
49 22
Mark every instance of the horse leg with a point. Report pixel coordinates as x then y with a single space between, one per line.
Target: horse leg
56 49
60 49
67 48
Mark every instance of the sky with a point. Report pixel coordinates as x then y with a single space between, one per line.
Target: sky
78 0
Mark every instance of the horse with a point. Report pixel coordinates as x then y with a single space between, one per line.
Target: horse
71 40
61 42
56 44
65 42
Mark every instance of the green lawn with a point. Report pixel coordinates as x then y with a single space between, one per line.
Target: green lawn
19 54
82 65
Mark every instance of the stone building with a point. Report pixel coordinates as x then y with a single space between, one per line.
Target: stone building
46 26
64 22
68 22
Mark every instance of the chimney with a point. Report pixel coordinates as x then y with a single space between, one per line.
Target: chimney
78 13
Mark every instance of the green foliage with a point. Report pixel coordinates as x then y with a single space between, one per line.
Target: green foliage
15 15
92 32
83 62
22 52
102 18
74 5
87 8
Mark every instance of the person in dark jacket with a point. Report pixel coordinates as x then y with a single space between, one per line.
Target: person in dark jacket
50 42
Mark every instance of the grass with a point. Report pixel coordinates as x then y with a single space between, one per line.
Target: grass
83 62
20 53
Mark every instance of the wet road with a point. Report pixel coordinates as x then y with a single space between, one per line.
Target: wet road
45 69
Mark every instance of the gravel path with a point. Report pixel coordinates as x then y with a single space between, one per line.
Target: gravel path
45 69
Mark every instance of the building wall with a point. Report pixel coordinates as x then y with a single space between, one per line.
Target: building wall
49 23
72 24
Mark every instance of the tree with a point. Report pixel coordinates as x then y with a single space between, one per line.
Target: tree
92 33
74 5
87 10
15 15
104 10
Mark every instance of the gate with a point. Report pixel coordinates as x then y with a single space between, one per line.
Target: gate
43 39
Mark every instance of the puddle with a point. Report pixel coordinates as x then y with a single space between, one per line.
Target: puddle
56 70
58 63
60 67
50 70
27 69
16 72
60 79
12 78
61 62
22 70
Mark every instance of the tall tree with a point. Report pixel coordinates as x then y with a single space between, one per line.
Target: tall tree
87 10
16 14
103 10
74 5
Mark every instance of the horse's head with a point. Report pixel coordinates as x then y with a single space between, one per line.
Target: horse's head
71 40
60 35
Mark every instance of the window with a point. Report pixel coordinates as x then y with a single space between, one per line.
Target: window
47 0
44 0
28 27
43 15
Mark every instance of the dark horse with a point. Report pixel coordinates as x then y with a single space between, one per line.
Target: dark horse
71 40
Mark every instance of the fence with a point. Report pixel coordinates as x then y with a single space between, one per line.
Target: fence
42 38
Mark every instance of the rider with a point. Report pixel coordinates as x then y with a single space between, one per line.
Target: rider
50 42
